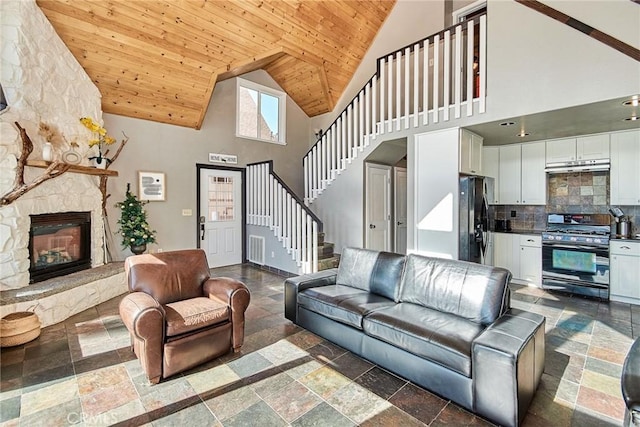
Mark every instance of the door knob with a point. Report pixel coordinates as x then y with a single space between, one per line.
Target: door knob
371 226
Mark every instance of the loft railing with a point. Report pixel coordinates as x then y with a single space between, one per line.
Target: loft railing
427 81
271 203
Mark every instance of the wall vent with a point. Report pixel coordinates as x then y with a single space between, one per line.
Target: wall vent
256 249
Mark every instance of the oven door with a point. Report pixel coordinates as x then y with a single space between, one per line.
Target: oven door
576 268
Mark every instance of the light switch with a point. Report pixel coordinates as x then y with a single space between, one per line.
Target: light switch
187 212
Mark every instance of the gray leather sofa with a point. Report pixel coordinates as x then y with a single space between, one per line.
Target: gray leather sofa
443 324
630 382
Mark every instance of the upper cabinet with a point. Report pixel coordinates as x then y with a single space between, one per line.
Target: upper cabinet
470 161
592 147
491 168
522 180
625 168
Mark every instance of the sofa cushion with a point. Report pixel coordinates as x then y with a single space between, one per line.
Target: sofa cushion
342 303
193 314
443 338
371 271
473 291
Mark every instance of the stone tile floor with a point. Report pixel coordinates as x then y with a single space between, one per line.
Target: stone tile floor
81 372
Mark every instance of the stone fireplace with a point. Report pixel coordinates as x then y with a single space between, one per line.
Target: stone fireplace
43 83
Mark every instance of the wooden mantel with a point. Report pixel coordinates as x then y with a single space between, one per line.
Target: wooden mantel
87 170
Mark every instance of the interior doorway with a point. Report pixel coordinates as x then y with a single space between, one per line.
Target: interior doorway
385 194
221 215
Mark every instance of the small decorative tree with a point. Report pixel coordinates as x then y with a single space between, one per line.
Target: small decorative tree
134 228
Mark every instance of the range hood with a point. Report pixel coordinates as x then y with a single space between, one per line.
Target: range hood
578 166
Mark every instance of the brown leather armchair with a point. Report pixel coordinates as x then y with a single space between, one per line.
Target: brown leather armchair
179 317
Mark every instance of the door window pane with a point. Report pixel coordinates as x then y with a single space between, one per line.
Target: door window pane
220 191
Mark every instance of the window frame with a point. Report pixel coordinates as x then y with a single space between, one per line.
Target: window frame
282 110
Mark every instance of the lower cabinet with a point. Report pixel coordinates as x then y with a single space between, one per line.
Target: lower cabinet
624 270
521 254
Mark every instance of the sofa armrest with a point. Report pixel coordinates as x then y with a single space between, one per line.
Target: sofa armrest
144 317
507 364
237 296
293 285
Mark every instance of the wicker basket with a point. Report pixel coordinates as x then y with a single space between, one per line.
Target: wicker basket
19 328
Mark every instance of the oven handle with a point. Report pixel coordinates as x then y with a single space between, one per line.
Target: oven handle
584 247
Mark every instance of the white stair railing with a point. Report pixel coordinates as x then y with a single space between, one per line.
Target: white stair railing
404 92
271 203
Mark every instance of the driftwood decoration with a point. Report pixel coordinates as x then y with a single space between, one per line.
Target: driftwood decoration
19 186
103 178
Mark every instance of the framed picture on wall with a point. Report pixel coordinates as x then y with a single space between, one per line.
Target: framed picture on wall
151 186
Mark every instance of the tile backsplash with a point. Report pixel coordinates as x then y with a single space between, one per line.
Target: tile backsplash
583 192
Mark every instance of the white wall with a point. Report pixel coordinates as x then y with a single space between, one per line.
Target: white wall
175 151
538 64
432 185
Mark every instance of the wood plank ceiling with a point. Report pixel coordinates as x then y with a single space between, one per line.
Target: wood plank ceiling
160 59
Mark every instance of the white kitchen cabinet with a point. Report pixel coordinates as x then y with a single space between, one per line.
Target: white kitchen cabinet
561 150
590 147
470 161
522 176
625 168
624 270
506 252
530 269
491 168
534 178
521 254
510 174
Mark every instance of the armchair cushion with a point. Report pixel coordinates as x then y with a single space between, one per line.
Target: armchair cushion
193 314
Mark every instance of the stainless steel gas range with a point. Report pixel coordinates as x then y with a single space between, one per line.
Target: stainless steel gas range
575 254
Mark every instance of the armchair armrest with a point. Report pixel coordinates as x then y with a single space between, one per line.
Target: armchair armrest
237 296
508 361
144 317
293 285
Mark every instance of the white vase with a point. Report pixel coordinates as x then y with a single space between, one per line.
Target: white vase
47 152
100 163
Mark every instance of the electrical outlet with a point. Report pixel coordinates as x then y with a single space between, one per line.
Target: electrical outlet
273 254
159 250
187 212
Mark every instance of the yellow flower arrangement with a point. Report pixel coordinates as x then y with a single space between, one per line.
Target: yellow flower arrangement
101 137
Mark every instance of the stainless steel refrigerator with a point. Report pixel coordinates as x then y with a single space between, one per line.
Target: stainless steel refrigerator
474 218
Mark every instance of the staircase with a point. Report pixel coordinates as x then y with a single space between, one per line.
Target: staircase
326 257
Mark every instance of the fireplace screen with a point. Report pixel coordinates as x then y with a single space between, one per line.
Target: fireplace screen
59 244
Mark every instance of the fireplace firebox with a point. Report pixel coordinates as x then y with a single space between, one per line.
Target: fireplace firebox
59 244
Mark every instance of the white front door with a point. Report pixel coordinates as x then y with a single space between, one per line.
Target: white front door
221 216
377 212
400 210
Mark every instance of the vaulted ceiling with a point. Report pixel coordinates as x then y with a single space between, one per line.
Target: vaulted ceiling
160 59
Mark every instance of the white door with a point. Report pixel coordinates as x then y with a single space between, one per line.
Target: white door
400 210
378 212
221 216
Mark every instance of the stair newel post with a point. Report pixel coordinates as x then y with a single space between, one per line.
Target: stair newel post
314 252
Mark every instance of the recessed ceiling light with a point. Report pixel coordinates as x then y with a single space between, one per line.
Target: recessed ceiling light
507 123
631 119
634 101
